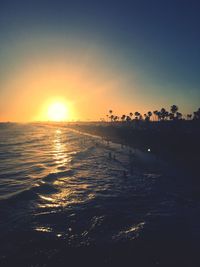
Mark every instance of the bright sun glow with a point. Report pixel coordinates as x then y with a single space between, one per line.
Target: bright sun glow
57 112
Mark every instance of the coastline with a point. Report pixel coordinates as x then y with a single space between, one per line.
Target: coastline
176 147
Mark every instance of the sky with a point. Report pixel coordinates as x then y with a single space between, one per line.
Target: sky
94 56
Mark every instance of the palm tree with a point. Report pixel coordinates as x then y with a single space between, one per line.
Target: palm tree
189 116
171 116
159 115
149 114
179 115
128 118
166 114
123 117
137 114
146 117
111 116
163 113
197 114
115 118
174 109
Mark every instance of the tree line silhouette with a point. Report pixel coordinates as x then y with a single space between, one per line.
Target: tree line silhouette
167 134
156 115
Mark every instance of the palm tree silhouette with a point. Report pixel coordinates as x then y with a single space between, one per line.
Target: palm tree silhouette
146 117
137 114
179 115
149 114
189 116
128 118
171 116
123 117
111 116
174 109
163 113
115 118
197 114
166 114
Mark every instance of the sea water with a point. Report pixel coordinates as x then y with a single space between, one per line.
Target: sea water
68 197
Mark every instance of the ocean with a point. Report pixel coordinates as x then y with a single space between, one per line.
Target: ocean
72 199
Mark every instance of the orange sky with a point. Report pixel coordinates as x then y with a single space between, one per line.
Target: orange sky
86 82
89 78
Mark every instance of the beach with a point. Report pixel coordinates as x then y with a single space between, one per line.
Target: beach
176 142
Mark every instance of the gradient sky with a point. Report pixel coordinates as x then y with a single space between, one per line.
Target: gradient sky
98 55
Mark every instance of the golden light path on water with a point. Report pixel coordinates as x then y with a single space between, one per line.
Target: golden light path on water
59 150
68 188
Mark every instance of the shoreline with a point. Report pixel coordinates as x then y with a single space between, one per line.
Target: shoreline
168 146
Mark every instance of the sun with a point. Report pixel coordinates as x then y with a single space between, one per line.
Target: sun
57 111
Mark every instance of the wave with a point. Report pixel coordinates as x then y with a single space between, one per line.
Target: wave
44 185
44 188
56 175
30 193
23 195
83 153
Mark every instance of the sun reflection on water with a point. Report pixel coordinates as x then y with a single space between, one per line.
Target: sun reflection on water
59 148
66 197
68 192
43 229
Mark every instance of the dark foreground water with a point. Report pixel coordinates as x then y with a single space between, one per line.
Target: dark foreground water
68 199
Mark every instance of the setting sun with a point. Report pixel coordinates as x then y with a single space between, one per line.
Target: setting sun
57 112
